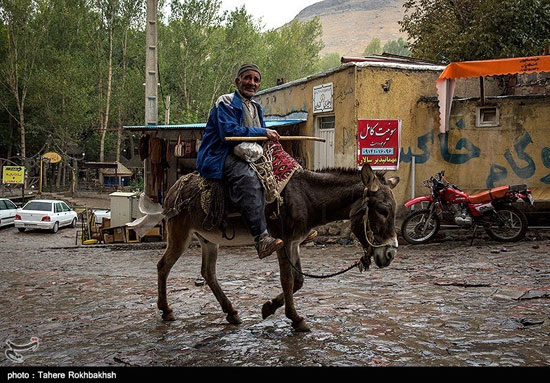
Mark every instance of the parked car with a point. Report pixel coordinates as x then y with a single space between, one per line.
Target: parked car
7 212
45 215
100 215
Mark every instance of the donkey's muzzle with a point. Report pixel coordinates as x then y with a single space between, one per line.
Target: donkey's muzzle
383 256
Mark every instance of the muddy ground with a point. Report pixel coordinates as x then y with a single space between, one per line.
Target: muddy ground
441 304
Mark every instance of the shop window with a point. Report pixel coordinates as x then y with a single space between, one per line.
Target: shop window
326 122
487 116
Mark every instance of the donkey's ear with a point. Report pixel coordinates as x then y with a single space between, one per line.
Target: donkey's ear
369 178
392 182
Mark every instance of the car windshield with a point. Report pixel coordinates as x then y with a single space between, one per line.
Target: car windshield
41 206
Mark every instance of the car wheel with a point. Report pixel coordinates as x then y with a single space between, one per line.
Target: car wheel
55 227
73 223
21 229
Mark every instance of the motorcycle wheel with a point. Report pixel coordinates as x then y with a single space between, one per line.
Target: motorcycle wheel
512 228
420 227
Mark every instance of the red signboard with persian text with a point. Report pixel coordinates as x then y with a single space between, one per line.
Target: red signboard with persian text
379 143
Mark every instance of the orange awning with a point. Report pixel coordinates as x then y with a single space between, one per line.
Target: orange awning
496 67
466 69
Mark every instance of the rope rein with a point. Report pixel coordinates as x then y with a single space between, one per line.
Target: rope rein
357 263
362 263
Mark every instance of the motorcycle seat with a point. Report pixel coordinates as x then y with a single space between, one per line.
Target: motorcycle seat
489 195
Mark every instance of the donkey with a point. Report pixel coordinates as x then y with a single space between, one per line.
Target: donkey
310 199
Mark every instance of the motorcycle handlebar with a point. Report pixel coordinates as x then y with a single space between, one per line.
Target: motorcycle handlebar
439 178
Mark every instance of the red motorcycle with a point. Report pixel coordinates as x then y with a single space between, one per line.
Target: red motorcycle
490 209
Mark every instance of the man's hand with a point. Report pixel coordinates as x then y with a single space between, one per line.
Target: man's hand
273 135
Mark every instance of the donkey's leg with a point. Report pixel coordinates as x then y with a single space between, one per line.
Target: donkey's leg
179 237
287 282
208 271
271 306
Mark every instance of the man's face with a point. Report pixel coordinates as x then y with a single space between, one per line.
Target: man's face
248 83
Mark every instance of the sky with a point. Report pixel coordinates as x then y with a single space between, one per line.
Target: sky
274 13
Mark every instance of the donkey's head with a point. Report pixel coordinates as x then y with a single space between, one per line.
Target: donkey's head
373 218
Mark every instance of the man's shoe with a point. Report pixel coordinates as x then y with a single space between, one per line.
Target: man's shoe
267 245
311 236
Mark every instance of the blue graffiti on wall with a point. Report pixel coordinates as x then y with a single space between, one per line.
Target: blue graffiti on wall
496 173
457 158
545 155
521 143
422 143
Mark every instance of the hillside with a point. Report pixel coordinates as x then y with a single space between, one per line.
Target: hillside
349 25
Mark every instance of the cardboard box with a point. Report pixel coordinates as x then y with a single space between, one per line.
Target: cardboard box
119 234
131 235
108 238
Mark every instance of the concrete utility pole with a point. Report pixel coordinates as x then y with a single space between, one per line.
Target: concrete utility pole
151 75
151 57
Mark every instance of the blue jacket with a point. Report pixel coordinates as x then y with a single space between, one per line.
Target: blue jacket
225 120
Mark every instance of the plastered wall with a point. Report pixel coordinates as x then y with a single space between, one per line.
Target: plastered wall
515 151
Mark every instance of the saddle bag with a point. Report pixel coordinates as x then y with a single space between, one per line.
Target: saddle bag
179 150
248 151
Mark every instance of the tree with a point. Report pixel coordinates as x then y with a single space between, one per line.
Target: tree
459 30
72 70
374 47
329 61
397 47
186 48
291 51
25 28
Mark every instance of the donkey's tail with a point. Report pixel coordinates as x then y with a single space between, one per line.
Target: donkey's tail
153 214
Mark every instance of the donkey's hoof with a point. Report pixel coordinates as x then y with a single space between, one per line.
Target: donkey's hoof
301 326
268 309
234 318
168 316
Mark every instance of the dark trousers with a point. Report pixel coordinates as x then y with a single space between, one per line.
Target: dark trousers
246 193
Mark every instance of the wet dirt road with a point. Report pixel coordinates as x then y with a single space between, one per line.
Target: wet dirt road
441 304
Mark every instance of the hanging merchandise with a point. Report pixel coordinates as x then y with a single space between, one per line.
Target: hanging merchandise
189 149
179 149
144 147
165 153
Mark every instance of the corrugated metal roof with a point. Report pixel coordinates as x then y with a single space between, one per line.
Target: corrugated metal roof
268 123
276 123
383 63
201 125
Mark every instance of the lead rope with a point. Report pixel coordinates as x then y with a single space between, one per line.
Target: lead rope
362 263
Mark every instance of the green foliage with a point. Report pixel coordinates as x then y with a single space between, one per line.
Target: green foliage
462 30
397 47
374 47
136 184
292 51
62 65
394 47
329 61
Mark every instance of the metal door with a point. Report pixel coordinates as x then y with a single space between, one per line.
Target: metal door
324 151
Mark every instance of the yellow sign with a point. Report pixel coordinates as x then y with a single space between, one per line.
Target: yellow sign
53 157
13 174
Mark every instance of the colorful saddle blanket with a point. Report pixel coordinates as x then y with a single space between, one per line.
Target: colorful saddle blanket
283 164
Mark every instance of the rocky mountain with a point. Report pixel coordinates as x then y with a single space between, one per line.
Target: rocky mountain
349 25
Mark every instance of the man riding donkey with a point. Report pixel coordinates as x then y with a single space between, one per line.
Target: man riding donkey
238 115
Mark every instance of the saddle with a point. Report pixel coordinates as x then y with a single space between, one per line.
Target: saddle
274 170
